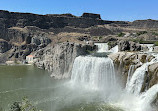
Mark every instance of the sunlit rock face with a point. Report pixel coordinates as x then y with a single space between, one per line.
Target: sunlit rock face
153 74
123 61
58 59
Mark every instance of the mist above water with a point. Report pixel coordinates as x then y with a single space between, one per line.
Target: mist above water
97 74
94 86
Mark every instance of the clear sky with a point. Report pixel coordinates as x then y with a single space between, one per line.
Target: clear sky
127 10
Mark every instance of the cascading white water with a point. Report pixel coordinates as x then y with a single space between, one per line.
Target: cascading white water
93 72
130 73
102 47
150 47
136 82
149 96
97 73
114 49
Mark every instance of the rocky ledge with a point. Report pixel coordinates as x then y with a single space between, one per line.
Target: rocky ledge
123 61
58 59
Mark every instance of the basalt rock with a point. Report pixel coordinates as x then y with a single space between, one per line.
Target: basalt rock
125 45
4 46
152 74
145 23
91 15
58 59
123 61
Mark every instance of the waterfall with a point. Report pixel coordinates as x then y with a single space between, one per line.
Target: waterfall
114 49
136 82
93 72
149 96
130 73
150 47
102 47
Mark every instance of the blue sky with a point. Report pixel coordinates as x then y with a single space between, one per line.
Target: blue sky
127 10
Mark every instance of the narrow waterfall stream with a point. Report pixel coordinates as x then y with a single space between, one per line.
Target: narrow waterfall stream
135 84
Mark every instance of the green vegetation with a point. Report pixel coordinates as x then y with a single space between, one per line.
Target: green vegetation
146 42
156 43
112 44
141 32
154 33
137 40
90 52
121 34
141 41
25 105
100 37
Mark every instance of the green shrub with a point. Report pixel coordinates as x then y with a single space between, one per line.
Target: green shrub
137 40
156 43
24 105
146 42
141 32
121 34
154 33
100 37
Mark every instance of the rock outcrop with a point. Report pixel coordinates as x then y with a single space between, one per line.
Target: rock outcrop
152 75
58 59
123 61
145 23
125 45
91 15
4 46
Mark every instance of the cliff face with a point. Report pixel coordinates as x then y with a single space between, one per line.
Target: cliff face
15 19
123 61
145 23
59 59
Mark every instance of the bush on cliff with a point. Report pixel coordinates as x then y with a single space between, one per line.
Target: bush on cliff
141 32
121 34
156 43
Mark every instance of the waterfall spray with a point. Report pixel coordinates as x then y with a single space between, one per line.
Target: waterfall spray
93 72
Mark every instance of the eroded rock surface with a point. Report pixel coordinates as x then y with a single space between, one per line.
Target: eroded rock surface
125 45
58 59
123 61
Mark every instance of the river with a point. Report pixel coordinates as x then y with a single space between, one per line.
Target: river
47 94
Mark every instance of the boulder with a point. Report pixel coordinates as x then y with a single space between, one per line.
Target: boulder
40 40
